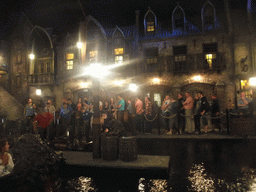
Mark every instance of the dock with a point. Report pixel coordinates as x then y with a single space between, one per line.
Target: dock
85 159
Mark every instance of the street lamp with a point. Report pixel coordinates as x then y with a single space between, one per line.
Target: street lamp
31 56
79 45
96 71
133 87
38 92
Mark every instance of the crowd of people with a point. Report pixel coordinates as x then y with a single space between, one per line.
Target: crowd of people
185 114
182 116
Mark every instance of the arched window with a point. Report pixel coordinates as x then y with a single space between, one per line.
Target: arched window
208 16
178 19
150 22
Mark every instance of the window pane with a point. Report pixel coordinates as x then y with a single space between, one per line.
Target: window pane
150 26
69 56
69 65
48 67
42 67
119 51
118 59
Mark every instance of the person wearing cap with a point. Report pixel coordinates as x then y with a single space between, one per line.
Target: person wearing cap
49 107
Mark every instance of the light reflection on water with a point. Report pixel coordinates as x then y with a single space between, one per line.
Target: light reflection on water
198 180
82 184
194 166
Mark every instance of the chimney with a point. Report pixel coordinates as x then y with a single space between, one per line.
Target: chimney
137 19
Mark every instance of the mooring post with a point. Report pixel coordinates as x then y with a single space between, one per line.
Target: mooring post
227 118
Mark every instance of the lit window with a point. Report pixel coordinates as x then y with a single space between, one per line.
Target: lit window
150 26
69 56
119 51
210 58
69 61
119 59
93 55
245 84
70 65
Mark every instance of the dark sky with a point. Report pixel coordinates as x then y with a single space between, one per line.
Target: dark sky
64 14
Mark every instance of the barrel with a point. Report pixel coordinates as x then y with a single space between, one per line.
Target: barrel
109 147
127 149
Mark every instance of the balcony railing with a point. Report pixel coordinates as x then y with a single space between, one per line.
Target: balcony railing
41 79
193 63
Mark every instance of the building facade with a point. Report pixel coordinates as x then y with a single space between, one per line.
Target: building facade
212 52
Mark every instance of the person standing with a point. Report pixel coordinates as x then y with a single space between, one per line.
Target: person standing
204 109
165 111
181 113
49 108
215 112
188 106
173 120
197 116
243 104
112 108
139 124
79 104
29 112
120 108
149 115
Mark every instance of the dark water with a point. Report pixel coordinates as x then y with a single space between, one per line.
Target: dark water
195 165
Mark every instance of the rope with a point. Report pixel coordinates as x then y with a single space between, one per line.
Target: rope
236 114
188 115
213 117
149 119
169 117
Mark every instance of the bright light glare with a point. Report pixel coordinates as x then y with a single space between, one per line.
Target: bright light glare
133 87
79 45
38 92
119 83
197 78
31 56
156 80
252 81
96 70
84 85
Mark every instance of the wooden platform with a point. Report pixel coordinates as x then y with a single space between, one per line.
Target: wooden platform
143 161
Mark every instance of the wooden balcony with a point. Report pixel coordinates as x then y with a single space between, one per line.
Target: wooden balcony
41 79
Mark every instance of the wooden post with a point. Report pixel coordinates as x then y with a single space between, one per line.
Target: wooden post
227 117
96 128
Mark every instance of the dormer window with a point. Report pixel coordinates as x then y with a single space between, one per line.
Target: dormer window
208 16
150 22
178 19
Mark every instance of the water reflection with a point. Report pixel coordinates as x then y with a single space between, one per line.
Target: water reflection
154 185
199 179
81 184
194 166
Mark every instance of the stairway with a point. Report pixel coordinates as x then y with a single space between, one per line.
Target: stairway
10 108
